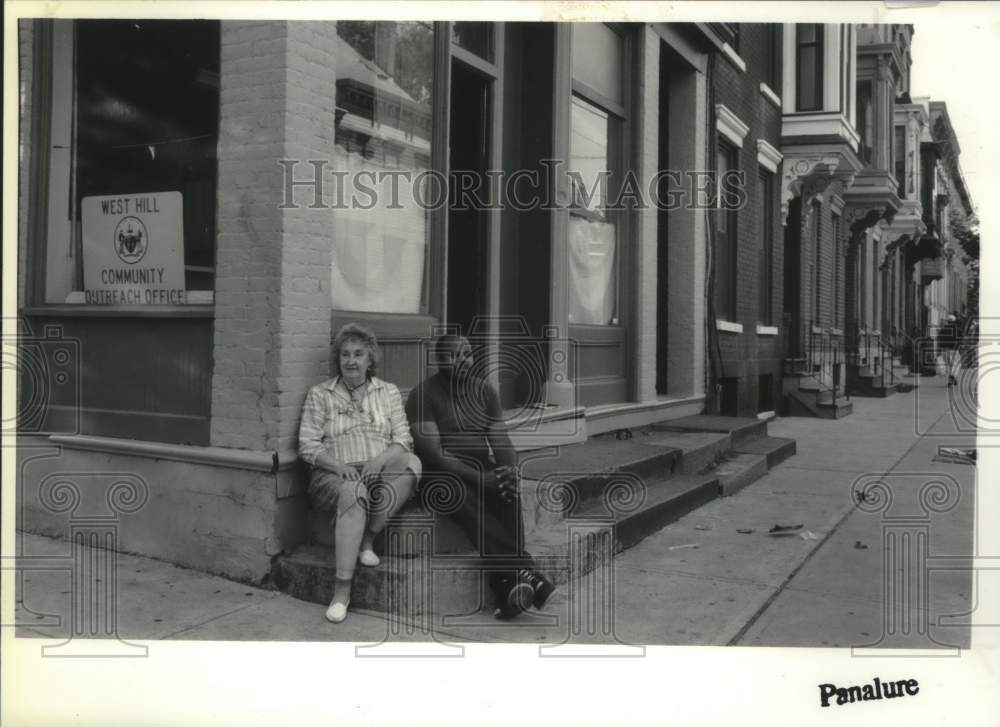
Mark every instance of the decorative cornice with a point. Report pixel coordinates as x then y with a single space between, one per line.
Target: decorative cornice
729 125
767 156
807 176
768 93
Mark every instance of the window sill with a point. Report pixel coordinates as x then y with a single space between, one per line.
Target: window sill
770 95
730 53
265 461
131 311
728 326
767 330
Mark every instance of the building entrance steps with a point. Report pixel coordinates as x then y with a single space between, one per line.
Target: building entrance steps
580 503
420 576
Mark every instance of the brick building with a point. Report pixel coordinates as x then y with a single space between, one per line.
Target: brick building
820 144
745 345
210 150
186 251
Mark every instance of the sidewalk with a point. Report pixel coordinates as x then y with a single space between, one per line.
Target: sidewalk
733 588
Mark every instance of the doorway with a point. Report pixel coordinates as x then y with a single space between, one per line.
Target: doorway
793 277
469 149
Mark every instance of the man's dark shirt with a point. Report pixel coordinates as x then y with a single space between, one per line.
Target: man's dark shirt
464 410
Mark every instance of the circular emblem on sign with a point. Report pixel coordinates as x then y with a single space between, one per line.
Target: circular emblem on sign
131 240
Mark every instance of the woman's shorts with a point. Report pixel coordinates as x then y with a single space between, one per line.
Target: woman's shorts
332 493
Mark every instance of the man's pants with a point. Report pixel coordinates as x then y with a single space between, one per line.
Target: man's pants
495 526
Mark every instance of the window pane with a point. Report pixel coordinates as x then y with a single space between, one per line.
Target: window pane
865 121
384 90
764 278
806 90
589 155
592 272
806 33
474 37
146 108
593 231
597 59
899 158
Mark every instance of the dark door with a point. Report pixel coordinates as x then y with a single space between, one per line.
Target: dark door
467 220
793 278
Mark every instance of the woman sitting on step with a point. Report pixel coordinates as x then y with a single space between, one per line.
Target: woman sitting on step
355 438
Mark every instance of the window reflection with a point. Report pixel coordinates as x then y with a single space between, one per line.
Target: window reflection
384 90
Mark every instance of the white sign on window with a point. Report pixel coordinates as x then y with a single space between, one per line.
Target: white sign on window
133 249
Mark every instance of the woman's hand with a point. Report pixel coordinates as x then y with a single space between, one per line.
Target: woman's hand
372 469
344 471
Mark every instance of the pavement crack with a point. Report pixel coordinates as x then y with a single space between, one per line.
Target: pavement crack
734 641
214 618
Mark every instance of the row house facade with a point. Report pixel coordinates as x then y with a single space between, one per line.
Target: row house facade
823 157
186 253
185 248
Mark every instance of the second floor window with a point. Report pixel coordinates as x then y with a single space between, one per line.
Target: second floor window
899 158
727 160
808 67
865 121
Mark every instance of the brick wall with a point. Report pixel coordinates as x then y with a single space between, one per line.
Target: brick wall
272 305
748 355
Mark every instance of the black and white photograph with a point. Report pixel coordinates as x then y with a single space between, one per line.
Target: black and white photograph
568 334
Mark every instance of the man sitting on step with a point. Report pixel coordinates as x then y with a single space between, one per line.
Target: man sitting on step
457 427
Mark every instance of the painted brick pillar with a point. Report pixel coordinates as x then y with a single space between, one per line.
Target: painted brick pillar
272 298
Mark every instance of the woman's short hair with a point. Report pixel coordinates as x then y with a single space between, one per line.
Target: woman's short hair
364 336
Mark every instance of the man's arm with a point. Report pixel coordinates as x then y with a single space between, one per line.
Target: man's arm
499 439
427 439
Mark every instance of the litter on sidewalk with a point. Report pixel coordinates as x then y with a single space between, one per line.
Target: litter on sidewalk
956 455
682 547
781 530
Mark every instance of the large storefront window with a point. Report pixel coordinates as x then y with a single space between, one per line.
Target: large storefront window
132 167
596 124
383 143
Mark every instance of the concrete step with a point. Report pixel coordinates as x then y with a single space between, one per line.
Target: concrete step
699 450
793 366
775 449
601 454
873 388
738 471
590 470
835 410
533 428
414 577
740 429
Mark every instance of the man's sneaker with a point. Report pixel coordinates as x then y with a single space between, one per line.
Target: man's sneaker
519 598
541 586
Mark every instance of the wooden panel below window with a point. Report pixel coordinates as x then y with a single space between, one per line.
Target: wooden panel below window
599 363
132 377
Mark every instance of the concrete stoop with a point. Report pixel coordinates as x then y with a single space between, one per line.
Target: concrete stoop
804 395
578 511
806 403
